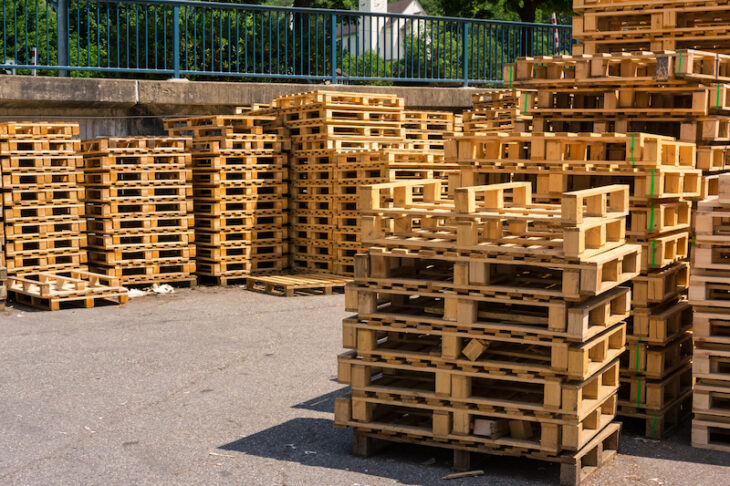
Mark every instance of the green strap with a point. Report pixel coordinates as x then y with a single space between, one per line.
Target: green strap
651 184
637 354
653 253
693 241
633 136
525 109
638 393
651 219
652 433
511 66
717 97
679 64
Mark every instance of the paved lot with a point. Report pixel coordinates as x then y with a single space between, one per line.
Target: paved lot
223 386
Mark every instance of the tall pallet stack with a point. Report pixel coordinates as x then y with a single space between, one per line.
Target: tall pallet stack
489 323
43 198
139 209
710 295
498 110
43 218
3 270
323 125
656 380
656 25
239 194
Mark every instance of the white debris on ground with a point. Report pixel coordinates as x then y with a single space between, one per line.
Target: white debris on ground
155 289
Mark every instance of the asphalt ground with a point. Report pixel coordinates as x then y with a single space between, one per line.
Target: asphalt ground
223 386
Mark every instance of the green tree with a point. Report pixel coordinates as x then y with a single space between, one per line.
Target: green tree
524 10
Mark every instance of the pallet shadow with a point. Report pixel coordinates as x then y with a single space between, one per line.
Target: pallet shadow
323 403
316 442
675 447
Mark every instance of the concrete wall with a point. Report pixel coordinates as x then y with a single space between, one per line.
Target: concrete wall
123 107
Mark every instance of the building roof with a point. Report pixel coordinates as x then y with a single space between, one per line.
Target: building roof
400 6
396 7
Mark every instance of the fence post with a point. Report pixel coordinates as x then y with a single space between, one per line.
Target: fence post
465 54
62 35
333 47
176 41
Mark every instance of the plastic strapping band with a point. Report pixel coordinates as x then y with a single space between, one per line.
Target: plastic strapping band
651 184
511 66
637 354
717 96
638 392
652 433
653 253
651 219
633 137
525 110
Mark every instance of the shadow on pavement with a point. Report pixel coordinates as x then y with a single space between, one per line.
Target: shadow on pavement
674 447
323 403
316 442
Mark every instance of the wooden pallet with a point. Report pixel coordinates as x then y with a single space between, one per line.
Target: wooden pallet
660 423
655 395
574 468
712 362
709 288
489 353
661 323
712 398
656 362
711 325
711 433
661 285
288 285
51 291
114 145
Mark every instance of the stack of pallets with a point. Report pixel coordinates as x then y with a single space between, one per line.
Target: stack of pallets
43 197
138 208
239 194
709 293
681 94
656 380
498 110
426 131
489 323
324 125
3 270
626 25
43 221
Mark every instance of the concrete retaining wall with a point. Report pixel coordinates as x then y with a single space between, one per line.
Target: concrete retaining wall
120 107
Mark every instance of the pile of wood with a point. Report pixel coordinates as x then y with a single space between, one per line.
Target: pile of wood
662 181
498 110
489 323
239 194
326 126
139 209
709 293
43 217
626 25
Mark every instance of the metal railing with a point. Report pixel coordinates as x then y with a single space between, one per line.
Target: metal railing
171 38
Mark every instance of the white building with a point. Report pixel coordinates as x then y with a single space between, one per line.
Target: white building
384 35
